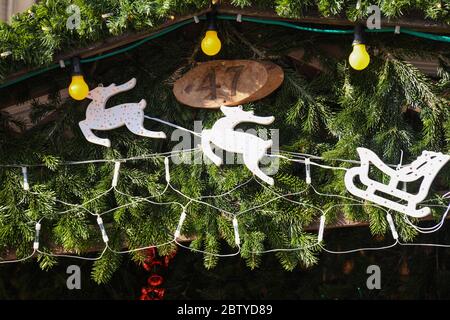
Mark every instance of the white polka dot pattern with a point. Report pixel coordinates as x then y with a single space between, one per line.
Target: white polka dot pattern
130 115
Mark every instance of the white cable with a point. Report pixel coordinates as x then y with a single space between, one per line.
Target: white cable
362 249
173 125
140 249
150 201
209 253
271 200
432 229
171 153
399 166
229 191
19 260
67 163
304 161
81 206
72 256
67 204
199 201
335 196
285 249
307 155
138 200
285 197
272 250
327 167
425 245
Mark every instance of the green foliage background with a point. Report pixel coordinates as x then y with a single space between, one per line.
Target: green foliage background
330 115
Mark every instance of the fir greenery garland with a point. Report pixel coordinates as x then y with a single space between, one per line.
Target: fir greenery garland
329 115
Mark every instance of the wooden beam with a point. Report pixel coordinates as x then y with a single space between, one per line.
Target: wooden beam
414 21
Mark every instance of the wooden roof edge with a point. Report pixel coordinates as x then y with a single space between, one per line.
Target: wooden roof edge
128 38
342 222
313 16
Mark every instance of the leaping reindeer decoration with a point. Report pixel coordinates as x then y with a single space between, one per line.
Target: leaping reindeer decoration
129 114
222 135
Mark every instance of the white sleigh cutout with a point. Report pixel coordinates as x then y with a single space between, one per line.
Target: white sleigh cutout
223 135
427 165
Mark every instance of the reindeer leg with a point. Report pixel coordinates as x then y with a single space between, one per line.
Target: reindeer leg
207 151
91 137
141 131
137 126
252 162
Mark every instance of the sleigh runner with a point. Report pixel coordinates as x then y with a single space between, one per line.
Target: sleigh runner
426 166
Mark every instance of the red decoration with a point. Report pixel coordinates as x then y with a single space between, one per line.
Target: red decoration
153 290
155 280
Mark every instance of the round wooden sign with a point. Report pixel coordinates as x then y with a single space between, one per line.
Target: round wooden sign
275 77
227 82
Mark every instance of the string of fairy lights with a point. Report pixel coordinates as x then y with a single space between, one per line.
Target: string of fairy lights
291 197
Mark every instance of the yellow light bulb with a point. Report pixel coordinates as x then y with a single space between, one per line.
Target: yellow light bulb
359 58
78 89
211 43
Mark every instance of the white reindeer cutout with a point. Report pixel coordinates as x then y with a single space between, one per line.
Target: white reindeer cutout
130 114
427 165
222 135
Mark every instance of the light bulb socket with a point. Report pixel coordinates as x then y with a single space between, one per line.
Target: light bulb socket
211 18
359 35
76 67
